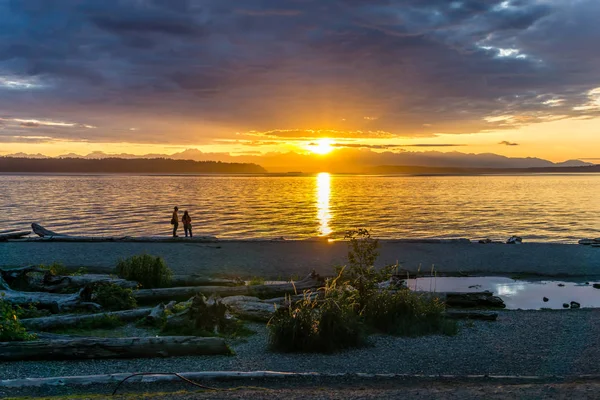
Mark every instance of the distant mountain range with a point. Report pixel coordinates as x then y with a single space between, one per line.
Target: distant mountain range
122 165
344 160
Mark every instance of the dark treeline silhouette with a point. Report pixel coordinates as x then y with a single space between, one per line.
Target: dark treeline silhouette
413 170
123 165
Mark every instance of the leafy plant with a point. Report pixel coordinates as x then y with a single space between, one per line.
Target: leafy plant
10 325
113 297
56 269
149 271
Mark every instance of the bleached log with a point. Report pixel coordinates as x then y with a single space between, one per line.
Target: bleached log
52 283
69 321
52 301
312 281
99 348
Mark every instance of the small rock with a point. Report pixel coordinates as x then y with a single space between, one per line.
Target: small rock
575 304
545 299
596 285
561 284
514 240
485 241
565 305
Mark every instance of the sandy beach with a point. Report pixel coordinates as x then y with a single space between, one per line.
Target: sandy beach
283 259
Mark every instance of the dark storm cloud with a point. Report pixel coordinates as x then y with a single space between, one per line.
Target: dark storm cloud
419 67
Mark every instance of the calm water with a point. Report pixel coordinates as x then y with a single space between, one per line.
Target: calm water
517 294
560 208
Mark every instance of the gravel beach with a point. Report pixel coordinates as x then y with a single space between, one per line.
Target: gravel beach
563 343
282 259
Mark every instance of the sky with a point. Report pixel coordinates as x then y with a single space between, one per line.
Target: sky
254 78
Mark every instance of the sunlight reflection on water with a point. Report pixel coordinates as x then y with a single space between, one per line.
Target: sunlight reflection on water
323 194
560 208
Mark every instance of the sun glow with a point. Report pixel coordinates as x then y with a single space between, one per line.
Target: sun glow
321 146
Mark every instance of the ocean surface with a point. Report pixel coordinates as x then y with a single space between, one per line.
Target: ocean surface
557 208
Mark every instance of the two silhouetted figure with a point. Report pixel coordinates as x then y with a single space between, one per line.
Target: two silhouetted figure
187 223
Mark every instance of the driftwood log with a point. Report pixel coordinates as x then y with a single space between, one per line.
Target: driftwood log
472 300
312 281
13 235
57 283
481 315
51 301
43 232
198 280
48 282
251 308
98 348
159 312
68 321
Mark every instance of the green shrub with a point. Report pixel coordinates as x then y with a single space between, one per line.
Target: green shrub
10 325
204 318
406 313
149 271
113 297
312 325
56 269
256 280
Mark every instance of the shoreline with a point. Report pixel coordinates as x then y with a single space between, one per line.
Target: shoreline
286 258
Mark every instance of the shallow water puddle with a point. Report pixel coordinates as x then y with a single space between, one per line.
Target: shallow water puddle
517 294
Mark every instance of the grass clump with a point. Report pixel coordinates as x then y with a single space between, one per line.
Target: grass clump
405 313
10 324
337 316
256 280
113 297
310 325
147 270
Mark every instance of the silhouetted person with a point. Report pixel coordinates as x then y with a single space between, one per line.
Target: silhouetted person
187 223
175 221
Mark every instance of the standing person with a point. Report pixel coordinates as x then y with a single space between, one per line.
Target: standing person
175 221
187 223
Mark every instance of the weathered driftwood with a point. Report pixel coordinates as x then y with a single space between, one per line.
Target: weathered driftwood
67 321
48 282
52 301
97 348
481 315
43 232
471 300
251 308
158 312
263 291
57 283
13 235
198 280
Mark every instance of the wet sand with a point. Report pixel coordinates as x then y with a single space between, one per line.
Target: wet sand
283 259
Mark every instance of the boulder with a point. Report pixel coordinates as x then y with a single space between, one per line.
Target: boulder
545 299
514 240
566 305
596 285
575 304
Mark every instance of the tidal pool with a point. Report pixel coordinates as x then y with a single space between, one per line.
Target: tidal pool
517 294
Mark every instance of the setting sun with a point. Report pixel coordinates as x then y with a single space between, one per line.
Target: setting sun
321 146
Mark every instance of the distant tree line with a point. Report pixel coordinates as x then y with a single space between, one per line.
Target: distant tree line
123 165
405 169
